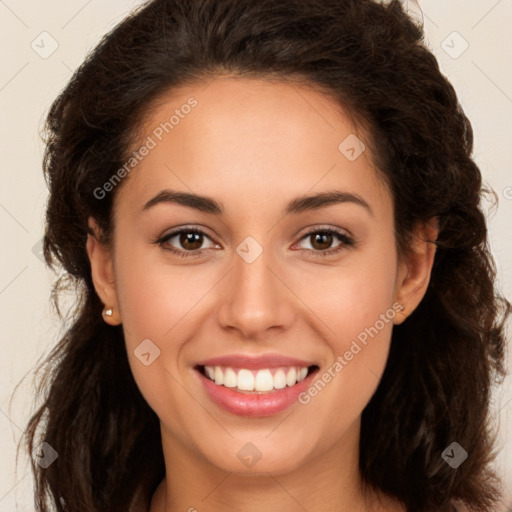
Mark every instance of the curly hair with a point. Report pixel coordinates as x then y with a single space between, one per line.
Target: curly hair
372 58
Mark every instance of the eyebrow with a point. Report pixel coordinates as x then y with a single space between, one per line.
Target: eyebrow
298 205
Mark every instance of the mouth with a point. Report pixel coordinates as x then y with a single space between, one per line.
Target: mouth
250 381
255 385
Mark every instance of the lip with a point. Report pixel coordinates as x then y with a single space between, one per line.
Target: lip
255 405
255 362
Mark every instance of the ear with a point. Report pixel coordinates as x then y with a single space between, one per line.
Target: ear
414 269
102 272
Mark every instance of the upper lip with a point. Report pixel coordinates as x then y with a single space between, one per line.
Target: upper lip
255 362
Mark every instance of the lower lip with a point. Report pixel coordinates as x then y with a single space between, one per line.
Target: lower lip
255 405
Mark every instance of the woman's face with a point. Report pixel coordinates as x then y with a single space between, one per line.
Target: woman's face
265 279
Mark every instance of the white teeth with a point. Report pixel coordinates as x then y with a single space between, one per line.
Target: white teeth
219 376
245 380
260 381
291 377
280 379
264 381
230 378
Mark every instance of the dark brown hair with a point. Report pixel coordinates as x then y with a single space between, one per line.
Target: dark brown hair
444 358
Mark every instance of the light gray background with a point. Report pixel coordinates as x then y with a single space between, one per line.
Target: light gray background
482 76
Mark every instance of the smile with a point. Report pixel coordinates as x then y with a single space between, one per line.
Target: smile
259 381
254 392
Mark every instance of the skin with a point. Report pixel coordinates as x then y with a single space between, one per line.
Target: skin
254 145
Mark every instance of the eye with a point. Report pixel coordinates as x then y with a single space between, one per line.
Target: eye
321 240
190 241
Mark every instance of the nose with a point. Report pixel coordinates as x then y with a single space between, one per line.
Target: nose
256 301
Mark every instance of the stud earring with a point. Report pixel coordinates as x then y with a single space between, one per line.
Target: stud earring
107 311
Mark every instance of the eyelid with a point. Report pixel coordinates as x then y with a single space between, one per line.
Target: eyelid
326 227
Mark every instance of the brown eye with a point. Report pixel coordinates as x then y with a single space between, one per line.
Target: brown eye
191 240
186 242
321 241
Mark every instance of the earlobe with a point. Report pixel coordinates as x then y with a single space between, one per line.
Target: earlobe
415 268
102 274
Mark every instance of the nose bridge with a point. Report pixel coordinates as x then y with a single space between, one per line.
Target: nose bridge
254 299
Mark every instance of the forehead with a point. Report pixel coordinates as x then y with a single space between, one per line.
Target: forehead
263 141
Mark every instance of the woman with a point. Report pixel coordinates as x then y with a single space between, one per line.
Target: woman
271 215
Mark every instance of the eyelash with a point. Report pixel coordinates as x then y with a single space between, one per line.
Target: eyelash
345 240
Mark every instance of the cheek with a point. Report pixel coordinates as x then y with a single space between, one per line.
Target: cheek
161 303
154 296
356 305
350 299
154 301
360 320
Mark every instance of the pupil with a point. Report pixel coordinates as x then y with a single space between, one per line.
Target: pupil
323 238
188 239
